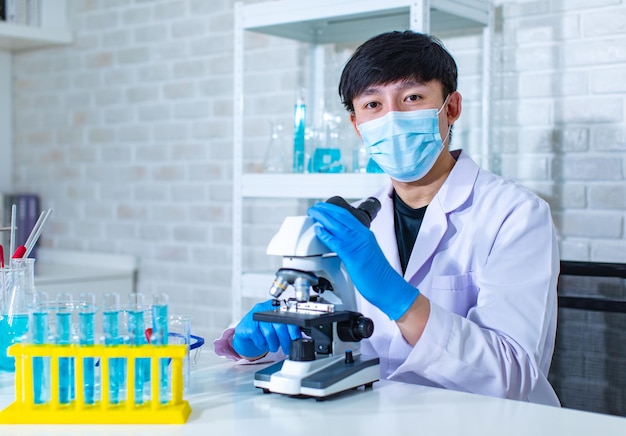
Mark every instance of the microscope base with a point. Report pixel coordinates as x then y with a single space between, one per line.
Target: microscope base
319 378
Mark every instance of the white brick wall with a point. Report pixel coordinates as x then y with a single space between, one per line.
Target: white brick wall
561 116
127 133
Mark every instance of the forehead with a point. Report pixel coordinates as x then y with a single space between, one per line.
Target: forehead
402 85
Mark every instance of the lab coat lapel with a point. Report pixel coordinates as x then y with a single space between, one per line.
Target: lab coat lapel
431 232
454 192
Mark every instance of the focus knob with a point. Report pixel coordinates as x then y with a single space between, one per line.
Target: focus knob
364 327
302 350
356 328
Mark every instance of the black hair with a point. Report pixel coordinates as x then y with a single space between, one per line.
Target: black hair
394 56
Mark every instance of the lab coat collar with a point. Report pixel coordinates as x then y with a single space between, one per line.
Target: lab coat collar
459 185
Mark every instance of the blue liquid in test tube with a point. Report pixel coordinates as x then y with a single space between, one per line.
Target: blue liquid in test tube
64 336
110 326
86 314
299 136
39 331
137 335
160 337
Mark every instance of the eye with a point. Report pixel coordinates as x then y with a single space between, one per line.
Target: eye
412 97
372 105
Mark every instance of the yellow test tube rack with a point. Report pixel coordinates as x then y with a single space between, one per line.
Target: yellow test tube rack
153 411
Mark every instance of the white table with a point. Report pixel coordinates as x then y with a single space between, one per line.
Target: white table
225 402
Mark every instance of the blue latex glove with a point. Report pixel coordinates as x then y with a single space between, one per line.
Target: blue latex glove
253 338
358 249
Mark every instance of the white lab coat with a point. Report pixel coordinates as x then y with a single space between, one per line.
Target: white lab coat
487 259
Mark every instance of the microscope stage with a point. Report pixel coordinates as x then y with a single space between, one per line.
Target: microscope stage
301 319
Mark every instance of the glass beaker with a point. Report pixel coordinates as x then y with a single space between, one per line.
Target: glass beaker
14 318
28 263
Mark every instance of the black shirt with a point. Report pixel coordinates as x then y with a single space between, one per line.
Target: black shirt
407 222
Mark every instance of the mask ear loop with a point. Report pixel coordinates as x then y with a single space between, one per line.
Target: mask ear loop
444 104
447 134
450 126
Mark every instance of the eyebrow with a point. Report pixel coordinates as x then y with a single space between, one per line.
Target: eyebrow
402 85
410 84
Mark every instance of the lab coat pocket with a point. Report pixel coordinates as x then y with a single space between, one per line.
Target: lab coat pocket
455 293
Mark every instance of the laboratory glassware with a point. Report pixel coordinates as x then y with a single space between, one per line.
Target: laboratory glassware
63 328
160 302
137 336
14 318
86 336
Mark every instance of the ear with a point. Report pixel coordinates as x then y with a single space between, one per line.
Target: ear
353 121
453 109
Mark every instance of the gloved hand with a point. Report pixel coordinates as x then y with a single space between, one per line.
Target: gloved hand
254 338
358 249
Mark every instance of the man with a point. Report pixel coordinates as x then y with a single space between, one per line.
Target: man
459 269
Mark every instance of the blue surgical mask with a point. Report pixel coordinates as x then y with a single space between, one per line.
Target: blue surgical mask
405 144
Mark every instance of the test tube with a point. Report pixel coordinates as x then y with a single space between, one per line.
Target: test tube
64 308
39 332
160 320
110 327
137 336
86 314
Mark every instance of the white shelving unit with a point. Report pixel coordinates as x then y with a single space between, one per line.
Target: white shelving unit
318 22
52 30
19 37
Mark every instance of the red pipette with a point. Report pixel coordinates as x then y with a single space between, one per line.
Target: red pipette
24 250
19 252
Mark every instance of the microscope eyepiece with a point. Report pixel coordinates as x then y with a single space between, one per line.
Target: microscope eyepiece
365 212
370 206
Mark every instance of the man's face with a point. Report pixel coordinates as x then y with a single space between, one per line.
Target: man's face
406 95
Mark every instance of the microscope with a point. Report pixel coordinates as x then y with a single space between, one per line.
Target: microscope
327 360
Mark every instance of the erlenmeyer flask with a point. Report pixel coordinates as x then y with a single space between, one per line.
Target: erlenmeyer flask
276 154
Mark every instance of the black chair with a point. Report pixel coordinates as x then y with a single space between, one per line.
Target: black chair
588 369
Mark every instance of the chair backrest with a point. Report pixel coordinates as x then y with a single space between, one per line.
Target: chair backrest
588 368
